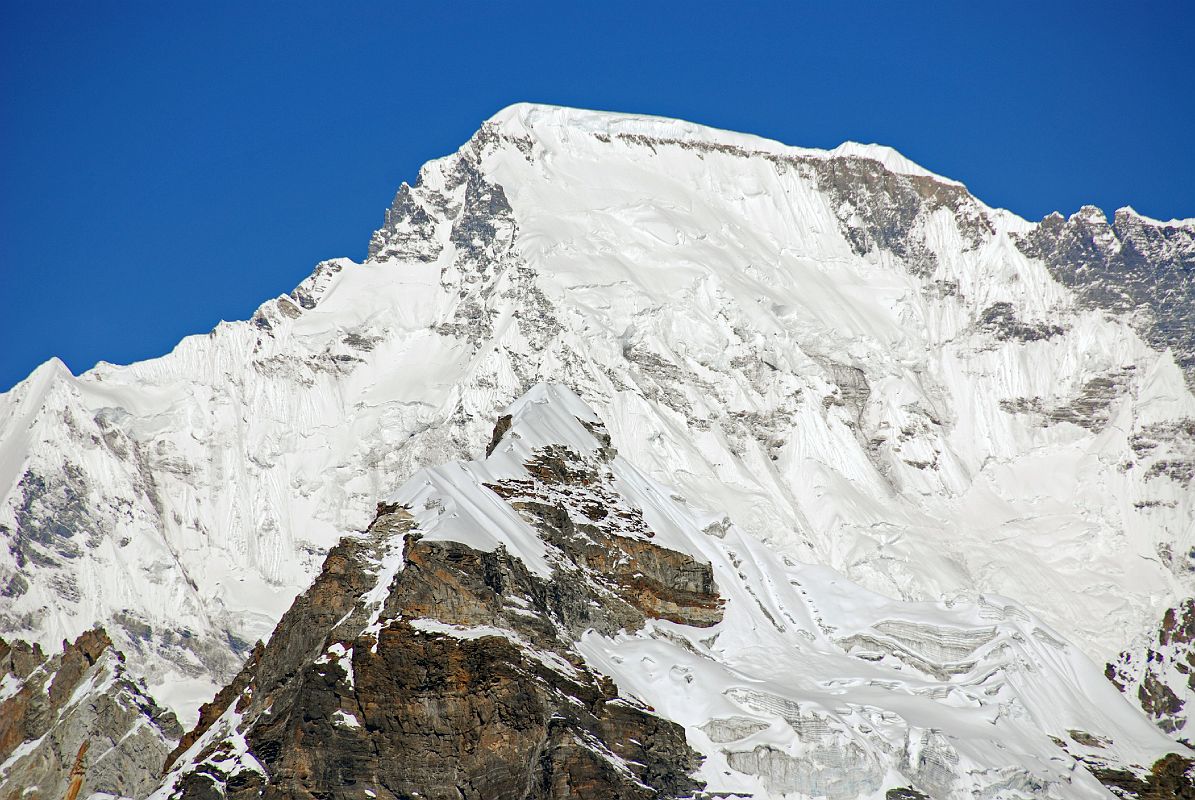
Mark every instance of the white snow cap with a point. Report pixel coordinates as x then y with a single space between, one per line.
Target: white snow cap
522 119
1173 223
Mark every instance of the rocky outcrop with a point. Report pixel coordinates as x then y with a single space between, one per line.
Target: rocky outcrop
209 713
1001 320
572 503
1166 450
1170 778
1090 408
422 667
52 707
1160 675
1131 264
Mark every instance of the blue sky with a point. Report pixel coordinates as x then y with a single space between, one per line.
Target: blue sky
165 166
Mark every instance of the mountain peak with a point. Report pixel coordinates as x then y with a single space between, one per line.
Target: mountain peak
524 119
871 388
1130 212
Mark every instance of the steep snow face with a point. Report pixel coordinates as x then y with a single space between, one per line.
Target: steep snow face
856 361
797 682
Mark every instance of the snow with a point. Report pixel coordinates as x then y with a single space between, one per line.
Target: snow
345 719
892 160
1189 222
230 759
809 664
530 119
708 306
343 656
9 685
20 751
548 659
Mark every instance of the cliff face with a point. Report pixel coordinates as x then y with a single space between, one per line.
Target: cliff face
51 706
459 678
1129 265
1160 671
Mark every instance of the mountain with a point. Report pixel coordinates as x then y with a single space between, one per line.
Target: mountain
54 709
853 360
551 622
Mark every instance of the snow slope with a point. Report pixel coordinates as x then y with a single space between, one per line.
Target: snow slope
806 684
853 359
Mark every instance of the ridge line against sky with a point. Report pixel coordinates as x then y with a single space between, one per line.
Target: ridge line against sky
168 166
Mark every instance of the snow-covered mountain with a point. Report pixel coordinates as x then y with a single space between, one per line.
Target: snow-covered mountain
552 622
854 361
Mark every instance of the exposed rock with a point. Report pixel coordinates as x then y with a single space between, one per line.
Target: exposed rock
852 387
879 208
408 230
1168 450
1090 408
500 429
1170 778
461 680
1129 265
79 696
655 581
1161 673
876 208
905 793
1000 319
210 712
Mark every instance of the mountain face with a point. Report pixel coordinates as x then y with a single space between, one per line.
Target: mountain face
1132 265
551 622
845 359
83 697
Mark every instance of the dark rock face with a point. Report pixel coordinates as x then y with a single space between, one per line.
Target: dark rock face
500 429
1128 265
1165 672
442 717
1170 778
79 695
1001 320
905 793
880 209
1090 408
462 681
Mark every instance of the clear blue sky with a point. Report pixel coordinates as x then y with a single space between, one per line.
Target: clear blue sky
167 165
